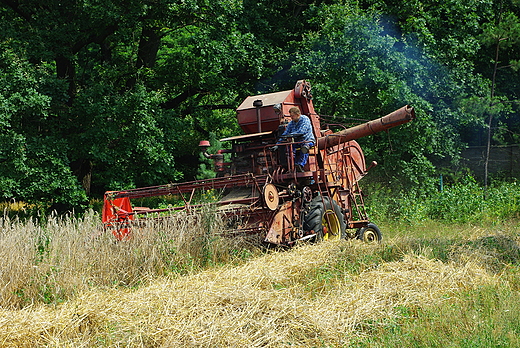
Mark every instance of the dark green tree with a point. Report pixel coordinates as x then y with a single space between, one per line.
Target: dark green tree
504 36
110 95
34 164
361 71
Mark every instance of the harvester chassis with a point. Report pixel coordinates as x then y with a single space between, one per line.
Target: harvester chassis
262 191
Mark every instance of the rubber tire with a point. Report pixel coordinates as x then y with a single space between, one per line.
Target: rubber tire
313 219
369 234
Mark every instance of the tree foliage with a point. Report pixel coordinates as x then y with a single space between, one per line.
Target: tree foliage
109 95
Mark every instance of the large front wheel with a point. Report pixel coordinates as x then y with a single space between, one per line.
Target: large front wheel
325 219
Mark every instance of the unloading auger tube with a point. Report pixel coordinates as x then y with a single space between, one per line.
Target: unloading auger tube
394 119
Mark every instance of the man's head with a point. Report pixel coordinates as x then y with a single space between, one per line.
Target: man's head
295 113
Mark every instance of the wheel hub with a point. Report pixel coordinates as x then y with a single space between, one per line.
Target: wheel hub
331 226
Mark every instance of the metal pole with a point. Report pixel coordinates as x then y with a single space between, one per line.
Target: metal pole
258 104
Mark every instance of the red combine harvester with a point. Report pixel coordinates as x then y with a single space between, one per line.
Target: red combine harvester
262 190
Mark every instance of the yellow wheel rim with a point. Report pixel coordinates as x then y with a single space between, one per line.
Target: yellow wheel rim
370 236
331 226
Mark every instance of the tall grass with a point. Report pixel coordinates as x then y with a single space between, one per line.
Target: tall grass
51 261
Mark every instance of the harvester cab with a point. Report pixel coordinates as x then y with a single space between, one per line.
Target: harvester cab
264 188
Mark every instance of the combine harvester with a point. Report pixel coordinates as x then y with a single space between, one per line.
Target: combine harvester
263 192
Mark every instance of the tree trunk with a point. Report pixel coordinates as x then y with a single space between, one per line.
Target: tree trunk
65 70
148 47
146 53
82 169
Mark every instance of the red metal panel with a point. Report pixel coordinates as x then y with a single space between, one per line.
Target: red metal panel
270 120
117 214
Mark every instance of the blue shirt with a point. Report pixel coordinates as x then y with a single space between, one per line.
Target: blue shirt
303 126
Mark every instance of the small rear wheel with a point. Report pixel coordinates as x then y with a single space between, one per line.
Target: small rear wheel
369 234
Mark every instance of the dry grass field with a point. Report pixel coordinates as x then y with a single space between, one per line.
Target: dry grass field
65 283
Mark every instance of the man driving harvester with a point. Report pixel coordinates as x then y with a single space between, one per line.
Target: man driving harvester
299 128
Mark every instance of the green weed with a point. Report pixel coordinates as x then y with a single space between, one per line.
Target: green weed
460 203
487 317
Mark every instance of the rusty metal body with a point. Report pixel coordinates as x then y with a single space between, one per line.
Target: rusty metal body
262 189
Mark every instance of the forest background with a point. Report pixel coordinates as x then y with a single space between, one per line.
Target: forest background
109 95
